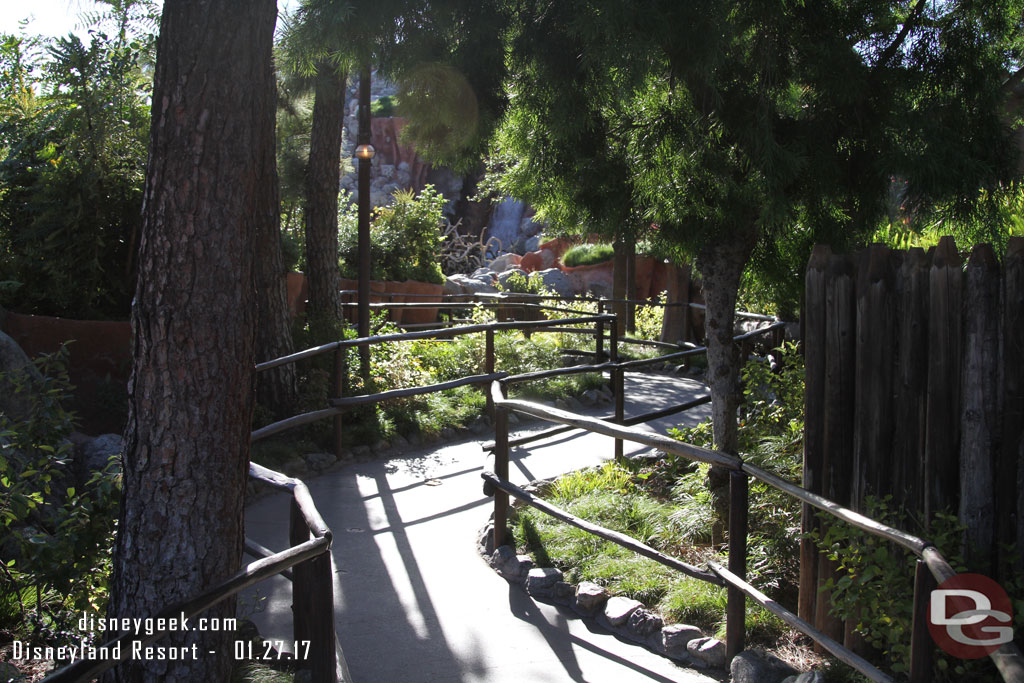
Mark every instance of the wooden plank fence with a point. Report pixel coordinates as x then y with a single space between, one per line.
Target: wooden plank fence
915 389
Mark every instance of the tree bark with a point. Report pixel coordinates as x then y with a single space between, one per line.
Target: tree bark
721 265
322 182
276 389
190 393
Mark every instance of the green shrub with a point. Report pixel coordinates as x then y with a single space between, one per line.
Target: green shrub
58 539
384 106
588 254
405 238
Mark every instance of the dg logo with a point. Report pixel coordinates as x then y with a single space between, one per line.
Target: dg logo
970 616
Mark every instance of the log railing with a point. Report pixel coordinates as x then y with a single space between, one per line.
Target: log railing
309 560
932 567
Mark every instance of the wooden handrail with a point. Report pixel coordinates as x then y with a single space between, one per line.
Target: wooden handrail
252 573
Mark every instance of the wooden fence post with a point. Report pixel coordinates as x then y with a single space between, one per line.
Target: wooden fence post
942 436
814 420
489 367
1011 460
599 337
618 385
921 643
313 607
501 453
911 382
736 608
837 443
979 423
873 351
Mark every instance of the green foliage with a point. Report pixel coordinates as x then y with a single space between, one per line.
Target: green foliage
770 437
405 238
384 106
522 284
73 145
649 320
588 254
59 538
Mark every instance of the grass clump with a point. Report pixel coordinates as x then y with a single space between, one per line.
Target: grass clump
588 254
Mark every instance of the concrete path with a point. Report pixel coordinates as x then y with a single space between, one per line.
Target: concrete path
415 602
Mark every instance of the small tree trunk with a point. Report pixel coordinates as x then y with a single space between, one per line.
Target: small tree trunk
721 265
276 389
190 395
322 182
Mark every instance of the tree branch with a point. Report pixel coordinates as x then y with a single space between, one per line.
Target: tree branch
909 24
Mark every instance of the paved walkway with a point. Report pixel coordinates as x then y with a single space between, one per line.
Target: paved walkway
414 600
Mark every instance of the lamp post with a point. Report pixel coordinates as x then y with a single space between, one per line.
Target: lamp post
364 152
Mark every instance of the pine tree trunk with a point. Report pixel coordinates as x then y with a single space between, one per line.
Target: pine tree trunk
190 394
322 182
276 390
721 266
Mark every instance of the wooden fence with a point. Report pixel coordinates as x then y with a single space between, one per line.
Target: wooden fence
914 391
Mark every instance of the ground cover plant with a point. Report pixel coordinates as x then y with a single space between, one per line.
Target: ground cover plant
666 504
588 254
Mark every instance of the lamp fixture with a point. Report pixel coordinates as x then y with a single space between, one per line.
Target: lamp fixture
365 152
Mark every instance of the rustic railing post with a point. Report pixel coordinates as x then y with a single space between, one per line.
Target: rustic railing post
921 643
618 382
302 585
599 335
736 609
501 472
489 367
340 382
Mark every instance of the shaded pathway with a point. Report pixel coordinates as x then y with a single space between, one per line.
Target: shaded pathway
415 601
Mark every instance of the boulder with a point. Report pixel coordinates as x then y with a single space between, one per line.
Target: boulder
808 677
504 262
93 455
676 637
538 260
754 666
466 284
13 359
507 275
557 281
590 597
642 623
540 582
707 651
618 609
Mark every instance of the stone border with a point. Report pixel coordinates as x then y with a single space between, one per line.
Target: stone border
626 618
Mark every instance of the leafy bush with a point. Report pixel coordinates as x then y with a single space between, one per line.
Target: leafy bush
72 162
523 284
58 538
405 238
588 254
384 106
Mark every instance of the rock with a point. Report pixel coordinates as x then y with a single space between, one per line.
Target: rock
504 560
386 170
808 677
542 259
9 672
590 597
507 275
319 461
480 426
564 593
541 582
557 281
447 434
504 262
676 637
590 397
381 446
642 623
618 609
12 359
707 651
399 442
466 284
96 453
754 666
361 452
561 404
